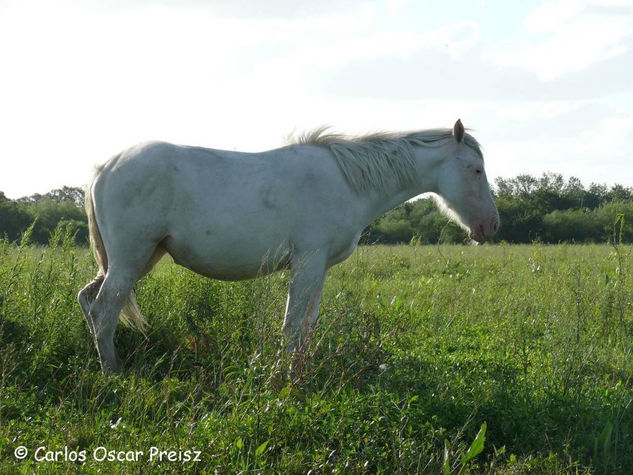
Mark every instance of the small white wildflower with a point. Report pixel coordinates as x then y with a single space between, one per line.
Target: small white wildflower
116 424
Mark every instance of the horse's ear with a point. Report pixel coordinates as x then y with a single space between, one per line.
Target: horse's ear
458 130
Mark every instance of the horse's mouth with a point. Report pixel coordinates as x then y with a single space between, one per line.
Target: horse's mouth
477 234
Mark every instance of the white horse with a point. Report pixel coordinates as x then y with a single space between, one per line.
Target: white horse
231 215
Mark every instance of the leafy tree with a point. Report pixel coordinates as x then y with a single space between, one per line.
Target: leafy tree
48 211
595 196
71 194
13 219
620 193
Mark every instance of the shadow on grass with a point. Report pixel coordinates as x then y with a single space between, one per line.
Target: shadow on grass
354 376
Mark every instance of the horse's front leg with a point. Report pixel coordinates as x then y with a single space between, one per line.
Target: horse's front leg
304 295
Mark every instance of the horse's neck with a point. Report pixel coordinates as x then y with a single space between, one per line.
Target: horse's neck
381 201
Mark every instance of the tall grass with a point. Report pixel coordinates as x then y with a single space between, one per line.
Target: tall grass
449 359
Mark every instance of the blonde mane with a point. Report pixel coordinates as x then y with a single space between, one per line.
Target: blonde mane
370 161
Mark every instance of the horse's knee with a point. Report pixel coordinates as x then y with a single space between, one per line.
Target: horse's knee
296 336
291 338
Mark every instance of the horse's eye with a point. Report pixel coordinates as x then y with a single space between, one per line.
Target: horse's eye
478 171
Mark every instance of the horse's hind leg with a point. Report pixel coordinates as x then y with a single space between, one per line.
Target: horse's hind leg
86 296
104 316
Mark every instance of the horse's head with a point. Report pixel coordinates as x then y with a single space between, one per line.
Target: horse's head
463 187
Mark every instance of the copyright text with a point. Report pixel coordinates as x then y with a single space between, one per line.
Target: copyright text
103 454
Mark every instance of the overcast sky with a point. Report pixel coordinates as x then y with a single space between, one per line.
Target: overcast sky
546 86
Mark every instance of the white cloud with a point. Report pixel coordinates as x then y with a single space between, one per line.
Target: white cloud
394 6
599 154
82 81
551 14
569 35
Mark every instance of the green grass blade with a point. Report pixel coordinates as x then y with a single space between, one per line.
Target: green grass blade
477 446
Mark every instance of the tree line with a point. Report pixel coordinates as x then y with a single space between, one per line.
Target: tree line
43 214
549 209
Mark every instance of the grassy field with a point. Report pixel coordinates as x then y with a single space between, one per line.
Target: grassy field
438 359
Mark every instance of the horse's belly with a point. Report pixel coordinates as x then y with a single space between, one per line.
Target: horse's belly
235 259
